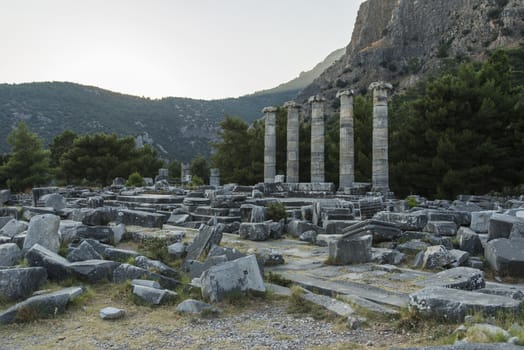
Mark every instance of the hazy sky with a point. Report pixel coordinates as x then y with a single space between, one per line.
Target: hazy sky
188 48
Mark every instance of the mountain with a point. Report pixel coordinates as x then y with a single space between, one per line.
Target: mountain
401 41
306 78
179 128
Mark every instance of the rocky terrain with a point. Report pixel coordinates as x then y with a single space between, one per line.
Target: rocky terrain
401 41
262 266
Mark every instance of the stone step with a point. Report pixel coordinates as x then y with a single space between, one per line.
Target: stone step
365 291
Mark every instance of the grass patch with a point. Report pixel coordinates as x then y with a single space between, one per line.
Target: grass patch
276 278
156 248
299 306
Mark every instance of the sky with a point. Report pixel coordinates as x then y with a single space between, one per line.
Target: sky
206 49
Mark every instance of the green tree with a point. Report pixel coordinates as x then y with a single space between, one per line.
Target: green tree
233 151
200 167
175 170
28 165
461 134
99 158
135 180
61 144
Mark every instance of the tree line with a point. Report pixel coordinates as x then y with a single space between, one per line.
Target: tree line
83 160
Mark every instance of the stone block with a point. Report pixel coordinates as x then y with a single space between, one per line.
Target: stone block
94 270
469 241
10 254
206 238
436 257
83 252
18 283
254 231
500 226
237 276
57 267
414 221
153 296
465 278
43 306
506 256
43 230
441 228
351 251
453 304
480 220
13 227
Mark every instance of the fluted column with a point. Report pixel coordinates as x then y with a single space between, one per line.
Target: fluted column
347 139
270 145
380 167
293 138
317 138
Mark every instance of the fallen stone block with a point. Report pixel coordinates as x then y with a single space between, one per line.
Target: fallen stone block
191 306
94 217
94 270
112 313
500 226
237 276
4 196
13 227
254 231
54 200
206 238
10 254
387 256
468 346
380 230
121 255
465 278
18 283
469 241
414 221
351 251
506 256
453 304
83 252
480 220
57 267
296 227
441 228
177 250
155 266
153 296
125 272
43 230
436 257
103 234
140 218
40 306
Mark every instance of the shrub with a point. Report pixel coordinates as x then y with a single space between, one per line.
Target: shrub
135 180
276 211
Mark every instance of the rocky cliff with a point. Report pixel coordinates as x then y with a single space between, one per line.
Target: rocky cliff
402 40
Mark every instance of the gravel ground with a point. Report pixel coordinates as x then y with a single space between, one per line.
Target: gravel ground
261 325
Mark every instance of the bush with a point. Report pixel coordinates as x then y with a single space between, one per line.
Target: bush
135 180
276 211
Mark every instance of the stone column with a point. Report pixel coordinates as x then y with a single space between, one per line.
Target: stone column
214 177
185 176
270 145
293 138
380 167
317 138
347 139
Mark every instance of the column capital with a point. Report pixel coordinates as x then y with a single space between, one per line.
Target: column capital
292 104
380 85
345 92
269 109
316 98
